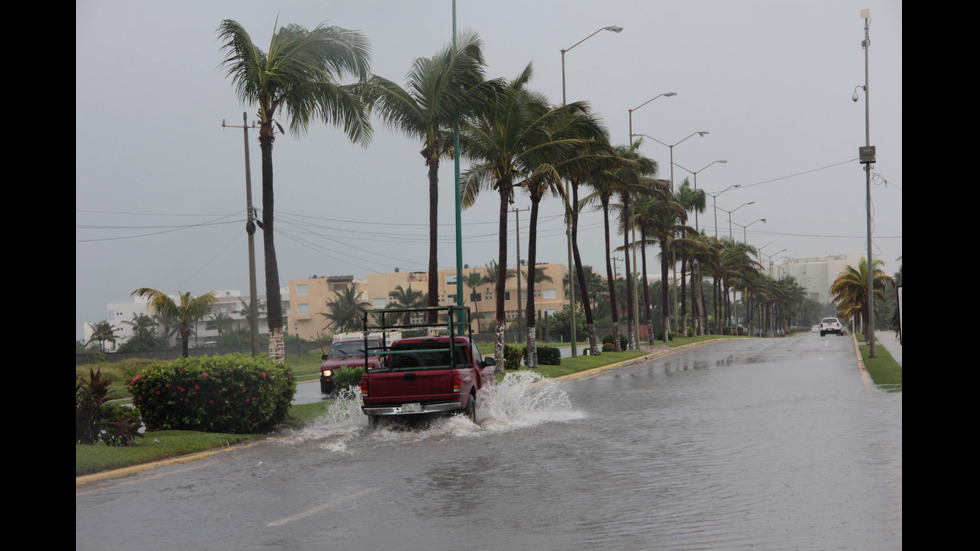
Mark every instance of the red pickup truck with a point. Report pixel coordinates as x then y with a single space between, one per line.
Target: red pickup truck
426 375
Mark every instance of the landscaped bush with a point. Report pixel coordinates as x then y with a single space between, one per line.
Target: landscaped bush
512 357
610 340
348 376
98 420
234 393
547 355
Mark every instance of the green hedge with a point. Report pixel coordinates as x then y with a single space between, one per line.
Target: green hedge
234 393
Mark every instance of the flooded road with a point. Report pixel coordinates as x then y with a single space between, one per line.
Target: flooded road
743 444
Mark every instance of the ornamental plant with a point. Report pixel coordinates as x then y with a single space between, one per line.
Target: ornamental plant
233 393
98 420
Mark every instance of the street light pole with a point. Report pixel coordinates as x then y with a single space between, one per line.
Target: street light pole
702 133
636 299
568 215
695 173
714 202
253 309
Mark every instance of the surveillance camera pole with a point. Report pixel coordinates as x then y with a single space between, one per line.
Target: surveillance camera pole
868 158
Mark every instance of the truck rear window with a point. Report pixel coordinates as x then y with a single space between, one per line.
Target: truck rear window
426 355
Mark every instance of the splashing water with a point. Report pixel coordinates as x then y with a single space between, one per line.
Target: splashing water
522 399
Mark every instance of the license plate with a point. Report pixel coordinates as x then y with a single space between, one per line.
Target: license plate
412 408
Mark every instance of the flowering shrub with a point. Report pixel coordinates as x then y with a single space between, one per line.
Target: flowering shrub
235 393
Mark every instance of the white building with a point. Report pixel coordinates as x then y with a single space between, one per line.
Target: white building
817 274
230 303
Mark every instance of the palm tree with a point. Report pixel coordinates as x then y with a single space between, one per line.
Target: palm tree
505 141
625 175
186 311
570 138
346 311
407 298
693 200
221 322
441 91
663 219
734 262
102 331
473 280
298 76
850 290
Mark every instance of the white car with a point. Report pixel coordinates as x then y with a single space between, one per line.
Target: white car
831 325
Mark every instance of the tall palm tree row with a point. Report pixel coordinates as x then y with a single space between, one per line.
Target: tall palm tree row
567 146
693 200
186 310
296 79
441 91
506 142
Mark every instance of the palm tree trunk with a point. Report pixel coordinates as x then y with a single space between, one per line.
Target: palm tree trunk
580 276
532 350
503 187
683 327
665 316
630 321
610 278
277 350
433 235
646 289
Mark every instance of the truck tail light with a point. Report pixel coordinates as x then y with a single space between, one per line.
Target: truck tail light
457 382
364 387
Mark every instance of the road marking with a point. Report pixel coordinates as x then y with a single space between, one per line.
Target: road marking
321 507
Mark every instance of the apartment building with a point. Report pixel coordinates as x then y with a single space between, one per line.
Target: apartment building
817 273
309 297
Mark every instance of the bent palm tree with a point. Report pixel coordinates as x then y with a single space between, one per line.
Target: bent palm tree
186 311
103 332
850 290
297 77
441 91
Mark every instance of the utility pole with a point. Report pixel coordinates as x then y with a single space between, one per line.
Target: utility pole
867 158
253 309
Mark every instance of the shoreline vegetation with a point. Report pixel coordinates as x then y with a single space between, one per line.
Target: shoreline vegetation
162 445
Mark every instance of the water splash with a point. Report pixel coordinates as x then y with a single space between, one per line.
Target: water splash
522 399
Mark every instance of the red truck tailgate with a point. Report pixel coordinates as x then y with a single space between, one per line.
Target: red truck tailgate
410 386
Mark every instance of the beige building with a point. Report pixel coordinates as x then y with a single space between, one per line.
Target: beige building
308 298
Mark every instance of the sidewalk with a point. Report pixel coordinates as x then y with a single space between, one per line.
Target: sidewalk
891 344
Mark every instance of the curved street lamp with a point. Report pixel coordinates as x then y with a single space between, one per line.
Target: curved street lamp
745 238
568 217
730 234
714 200
695 173
636 299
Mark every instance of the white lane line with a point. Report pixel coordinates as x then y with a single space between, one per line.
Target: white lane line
321 507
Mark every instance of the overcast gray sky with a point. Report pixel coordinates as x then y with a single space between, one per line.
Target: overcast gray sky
159 185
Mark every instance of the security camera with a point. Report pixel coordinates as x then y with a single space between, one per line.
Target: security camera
855 97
